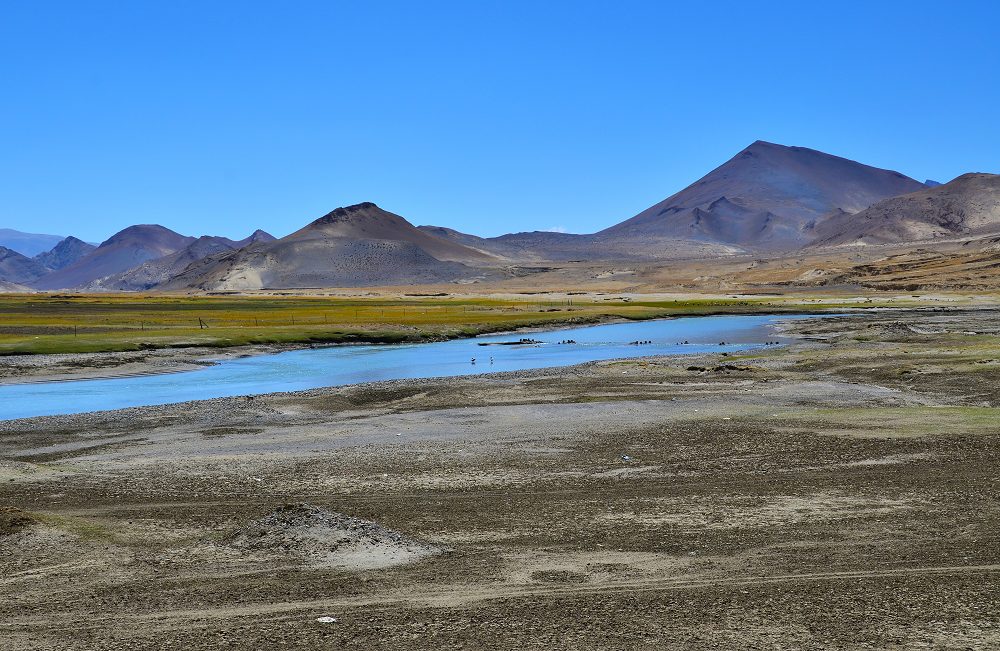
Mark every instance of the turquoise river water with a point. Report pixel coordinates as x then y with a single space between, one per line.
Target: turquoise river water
351 364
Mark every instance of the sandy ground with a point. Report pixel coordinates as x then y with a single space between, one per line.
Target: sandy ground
840 493
80 366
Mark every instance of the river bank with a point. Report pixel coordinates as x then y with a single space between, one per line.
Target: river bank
346 365
19 369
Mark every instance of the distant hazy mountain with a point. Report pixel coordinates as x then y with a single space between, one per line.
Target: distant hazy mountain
28 244
536 245
967 206
353 246
67 252
766 197
17 268
932 184
154 272
122 251
539 247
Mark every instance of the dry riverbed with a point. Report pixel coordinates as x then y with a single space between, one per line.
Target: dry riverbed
840 493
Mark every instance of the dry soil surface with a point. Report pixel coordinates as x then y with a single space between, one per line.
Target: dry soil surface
840 493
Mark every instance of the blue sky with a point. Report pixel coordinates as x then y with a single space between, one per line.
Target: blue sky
218 117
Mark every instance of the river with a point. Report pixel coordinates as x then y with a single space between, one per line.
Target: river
352 364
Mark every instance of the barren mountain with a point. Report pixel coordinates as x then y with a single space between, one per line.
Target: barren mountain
126 249
153 272
12 288
366 221
967 206
17 268
768 200
67 252
532 246
767 197
353 246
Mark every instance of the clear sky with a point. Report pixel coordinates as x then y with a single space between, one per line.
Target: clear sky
215 117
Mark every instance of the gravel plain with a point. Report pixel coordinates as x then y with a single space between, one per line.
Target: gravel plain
837 493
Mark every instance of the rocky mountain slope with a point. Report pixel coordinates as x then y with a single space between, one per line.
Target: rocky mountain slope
965 207
366 221
12 288
766 197
155 272
67 252
124 250
352 246
17 268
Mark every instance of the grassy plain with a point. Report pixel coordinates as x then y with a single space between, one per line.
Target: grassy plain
58 323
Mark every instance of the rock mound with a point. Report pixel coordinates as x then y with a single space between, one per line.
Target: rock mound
892 331
14 520
328 539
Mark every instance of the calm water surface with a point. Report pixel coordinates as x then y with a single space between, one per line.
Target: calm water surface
339 365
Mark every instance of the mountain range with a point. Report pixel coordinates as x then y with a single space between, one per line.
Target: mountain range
65 253
348 247
159 270
769 200
27 244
